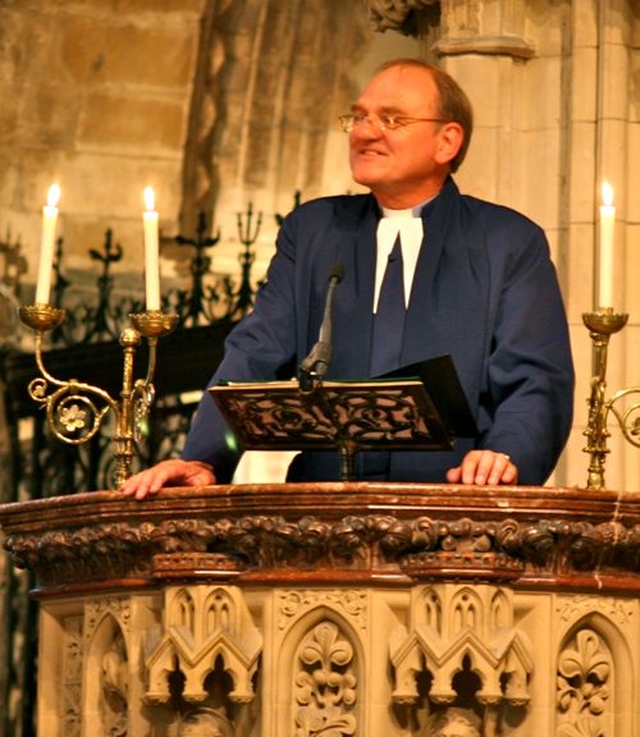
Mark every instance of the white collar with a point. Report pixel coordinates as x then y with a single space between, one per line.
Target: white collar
411 233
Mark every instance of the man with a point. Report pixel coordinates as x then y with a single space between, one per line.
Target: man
478 284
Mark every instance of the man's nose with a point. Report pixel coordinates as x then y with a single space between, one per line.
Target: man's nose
367 129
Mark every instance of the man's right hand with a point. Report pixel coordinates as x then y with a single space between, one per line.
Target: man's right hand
173 472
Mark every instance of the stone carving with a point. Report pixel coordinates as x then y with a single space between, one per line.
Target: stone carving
203 627
326 684
293 602
585 673
455 723
397 15
115 688
463 26
466 639
72 660
620 611
119 607
205 723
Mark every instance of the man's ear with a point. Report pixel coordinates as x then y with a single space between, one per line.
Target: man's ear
450 138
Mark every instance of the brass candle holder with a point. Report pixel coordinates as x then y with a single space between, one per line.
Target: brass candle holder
602 324
75 410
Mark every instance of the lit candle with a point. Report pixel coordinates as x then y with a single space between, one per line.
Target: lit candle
47 245
605 256
151 250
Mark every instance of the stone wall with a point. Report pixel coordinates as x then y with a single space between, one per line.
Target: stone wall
95 97
216 104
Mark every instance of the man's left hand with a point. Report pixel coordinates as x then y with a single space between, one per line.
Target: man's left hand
484 467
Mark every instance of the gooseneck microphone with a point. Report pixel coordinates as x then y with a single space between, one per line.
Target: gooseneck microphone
315 365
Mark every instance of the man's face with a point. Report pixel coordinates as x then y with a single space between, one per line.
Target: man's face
404 166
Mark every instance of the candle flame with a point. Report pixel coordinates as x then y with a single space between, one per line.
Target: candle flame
149 199
607 194
53 195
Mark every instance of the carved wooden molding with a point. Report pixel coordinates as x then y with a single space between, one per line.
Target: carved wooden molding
332 533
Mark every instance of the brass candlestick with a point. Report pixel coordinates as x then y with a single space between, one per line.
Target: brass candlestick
74 409
601 325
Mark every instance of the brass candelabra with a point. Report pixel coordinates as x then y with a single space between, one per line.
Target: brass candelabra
75 410
602 324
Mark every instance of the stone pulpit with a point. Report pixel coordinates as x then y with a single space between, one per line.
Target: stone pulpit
337 609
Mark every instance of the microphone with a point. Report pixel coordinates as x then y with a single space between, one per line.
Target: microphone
317 362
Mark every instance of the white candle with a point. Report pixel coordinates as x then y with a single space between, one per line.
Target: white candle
151 250
605 254
47 245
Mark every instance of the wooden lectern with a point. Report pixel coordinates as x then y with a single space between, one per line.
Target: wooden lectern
387 413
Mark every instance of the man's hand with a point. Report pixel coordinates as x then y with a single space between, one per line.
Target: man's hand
484 467
174 472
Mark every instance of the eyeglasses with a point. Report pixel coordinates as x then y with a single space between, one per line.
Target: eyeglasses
384 122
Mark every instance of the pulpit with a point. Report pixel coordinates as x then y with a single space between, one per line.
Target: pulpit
335 609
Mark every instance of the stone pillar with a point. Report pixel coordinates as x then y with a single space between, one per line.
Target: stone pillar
484 27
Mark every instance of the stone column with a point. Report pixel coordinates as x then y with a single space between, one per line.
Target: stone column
484 27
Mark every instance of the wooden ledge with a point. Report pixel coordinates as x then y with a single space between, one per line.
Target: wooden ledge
379 534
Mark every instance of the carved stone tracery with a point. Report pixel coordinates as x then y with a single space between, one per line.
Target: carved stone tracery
293 603
584 692
472 642
203 626
326 684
